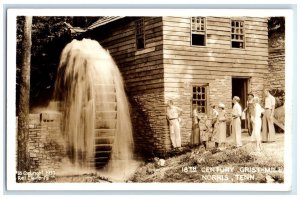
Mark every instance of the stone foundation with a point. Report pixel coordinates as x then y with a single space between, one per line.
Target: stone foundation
46 146
150 130
275 79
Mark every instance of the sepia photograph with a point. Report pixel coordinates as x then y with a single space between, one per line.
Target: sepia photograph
150 99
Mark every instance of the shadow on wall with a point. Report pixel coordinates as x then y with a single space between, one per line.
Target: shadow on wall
142 133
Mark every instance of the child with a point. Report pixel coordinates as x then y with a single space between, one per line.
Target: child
205 130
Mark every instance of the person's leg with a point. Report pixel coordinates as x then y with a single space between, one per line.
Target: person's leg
264 127
234 132
177 133
192 142
172 133
249 122
271 132
238 132
197 137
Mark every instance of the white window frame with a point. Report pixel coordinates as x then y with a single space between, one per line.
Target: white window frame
200 32
238 34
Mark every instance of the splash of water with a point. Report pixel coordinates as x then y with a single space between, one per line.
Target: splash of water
95 109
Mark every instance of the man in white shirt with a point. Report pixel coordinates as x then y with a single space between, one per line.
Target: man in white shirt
173 114
268 133
236 121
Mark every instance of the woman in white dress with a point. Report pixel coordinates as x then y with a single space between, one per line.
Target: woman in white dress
256 120
219 135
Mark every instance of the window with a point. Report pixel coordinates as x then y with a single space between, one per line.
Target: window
198 31
200 98
140 34
237 34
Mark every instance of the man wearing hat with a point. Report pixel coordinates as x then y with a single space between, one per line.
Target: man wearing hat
236 121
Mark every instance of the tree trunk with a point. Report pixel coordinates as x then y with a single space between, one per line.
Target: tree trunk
23 114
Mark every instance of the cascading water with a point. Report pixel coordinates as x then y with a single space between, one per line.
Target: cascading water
96 121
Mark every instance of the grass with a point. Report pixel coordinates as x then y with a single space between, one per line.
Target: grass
191 167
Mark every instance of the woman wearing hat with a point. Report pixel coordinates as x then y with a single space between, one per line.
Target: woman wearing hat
220 129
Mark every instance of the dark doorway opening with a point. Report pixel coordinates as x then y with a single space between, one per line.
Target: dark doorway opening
240 89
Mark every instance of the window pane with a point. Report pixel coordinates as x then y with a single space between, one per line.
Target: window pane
199 98
237 34
139 30
198 26
140 43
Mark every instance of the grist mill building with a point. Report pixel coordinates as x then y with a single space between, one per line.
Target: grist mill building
191 60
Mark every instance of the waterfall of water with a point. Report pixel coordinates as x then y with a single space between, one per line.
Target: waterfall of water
96 121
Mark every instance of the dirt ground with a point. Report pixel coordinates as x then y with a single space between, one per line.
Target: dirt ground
231 165
197 165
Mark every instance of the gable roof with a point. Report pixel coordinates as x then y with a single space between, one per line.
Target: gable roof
103 20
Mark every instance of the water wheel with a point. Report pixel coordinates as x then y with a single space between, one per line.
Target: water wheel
105 122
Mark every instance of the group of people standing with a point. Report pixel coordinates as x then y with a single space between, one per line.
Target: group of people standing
262 128
214 127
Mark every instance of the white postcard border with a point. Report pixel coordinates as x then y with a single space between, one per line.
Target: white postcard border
11 77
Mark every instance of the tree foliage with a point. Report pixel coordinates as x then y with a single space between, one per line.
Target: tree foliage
276 24
276 30
49 36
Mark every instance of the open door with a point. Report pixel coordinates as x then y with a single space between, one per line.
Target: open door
240 89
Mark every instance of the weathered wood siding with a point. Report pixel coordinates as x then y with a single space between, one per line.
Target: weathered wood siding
142 69
214 64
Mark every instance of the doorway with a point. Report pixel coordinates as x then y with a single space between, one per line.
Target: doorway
240 89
